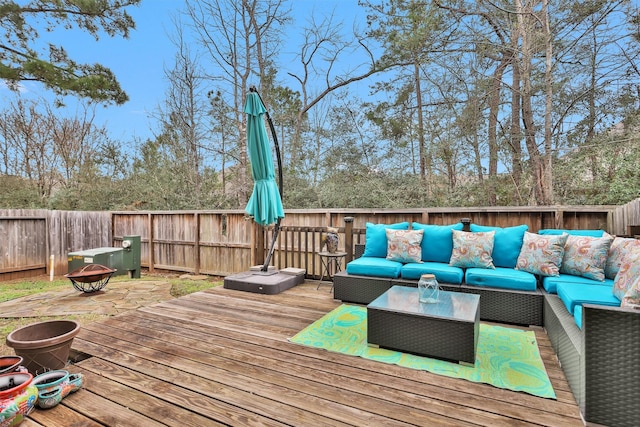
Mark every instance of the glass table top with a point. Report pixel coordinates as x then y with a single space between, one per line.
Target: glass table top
450 305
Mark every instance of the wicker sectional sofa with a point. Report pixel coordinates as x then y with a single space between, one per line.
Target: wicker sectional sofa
599 357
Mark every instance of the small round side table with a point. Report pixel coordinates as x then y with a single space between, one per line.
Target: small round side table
329 259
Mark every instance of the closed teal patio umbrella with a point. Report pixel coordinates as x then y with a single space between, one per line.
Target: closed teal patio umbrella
265 203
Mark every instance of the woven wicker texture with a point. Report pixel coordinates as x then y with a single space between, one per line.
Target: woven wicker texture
508 306
358 289
566 340
612 377
444 339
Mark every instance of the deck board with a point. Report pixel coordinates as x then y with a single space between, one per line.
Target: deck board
222 357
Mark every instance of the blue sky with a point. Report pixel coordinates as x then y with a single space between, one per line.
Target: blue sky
139 61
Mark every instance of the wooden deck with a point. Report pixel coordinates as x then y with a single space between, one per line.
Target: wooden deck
221 357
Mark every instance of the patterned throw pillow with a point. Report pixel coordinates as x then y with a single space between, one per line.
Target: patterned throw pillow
586 256
506 245
542 254
472 249
628 274
620 247
376 238
404 245
632 298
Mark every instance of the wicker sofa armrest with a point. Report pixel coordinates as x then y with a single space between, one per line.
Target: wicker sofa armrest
611 350
358 250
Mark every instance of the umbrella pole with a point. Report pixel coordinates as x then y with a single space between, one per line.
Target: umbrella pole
276 228
267 261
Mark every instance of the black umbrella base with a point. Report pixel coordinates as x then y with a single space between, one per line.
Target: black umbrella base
262 282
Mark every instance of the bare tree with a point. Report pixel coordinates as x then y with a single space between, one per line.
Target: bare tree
239 38
51 152
322 50
184 118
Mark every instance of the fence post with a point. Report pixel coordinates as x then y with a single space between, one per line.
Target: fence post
196 246
348 238
152 260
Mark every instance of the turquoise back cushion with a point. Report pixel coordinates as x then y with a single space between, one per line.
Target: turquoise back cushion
506 243
437 241
376 238
557 231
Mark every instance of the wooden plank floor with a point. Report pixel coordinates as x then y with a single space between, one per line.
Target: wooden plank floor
221 357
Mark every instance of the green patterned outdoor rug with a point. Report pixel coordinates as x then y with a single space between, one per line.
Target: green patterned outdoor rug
506 357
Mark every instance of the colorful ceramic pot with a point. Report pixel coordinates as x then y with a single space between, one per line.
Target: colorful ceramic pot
10 364
18 396
53 386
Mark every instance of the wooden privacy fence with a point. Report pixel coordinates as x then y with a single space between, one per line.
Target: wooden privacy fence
29 237
627 218
226 242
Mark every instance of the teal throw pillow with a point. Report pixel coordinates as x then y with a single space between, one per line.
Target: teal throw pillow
506 245
376 238
437 241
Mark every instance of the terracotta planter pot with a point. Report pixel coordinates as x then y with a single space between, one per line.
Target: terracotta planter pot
18 396
44 346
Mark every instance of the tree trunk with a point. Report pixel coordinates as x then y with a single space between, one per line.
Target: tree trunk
548 81
424 162
494 105
536 158
516 105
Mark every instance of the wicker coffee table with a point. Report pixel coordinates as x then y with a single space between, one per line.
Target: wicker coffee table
446 330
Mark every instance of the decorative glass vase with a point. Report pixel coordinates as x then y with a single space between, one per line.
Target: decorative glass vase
428 289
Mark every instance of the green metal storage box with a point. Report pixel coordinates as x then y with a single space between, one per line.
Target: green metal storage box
109 257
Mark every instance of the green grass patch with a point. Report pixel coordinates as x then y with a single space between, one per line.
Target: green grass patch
181 287
16 289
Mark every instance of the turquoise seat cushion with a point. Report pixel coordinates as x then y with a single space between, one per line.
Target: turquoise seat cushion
374 266
573 294
376 238
550 283
577 315
500 277
506 243
437 241
444 272
555 231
